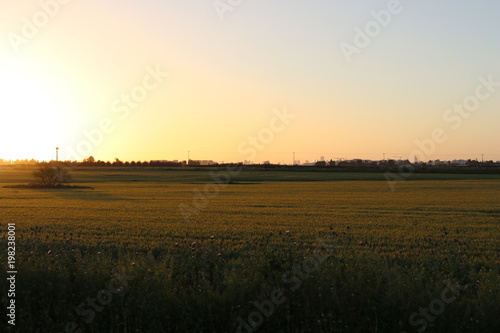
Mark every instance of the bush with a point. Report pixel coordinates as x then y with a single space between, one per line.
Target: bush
49 175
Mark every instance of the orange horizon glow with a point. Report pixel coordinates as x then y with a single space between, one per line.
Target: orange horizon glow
92 80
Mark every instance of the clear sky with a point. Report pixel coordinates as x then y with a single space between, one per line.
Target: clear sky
357 78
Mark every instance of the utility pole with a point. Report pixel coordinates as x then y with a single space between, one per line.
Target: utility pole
57 154
482 158
293 158
188 158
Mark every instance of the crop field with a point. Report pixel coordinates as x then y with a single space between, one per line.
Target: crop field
158 250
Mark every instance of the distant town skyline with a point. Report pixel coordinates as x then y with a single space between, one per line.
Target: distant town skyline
457 159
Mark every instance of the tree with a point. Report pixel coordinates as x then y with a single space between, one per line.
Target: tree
117 162
49 175
90 160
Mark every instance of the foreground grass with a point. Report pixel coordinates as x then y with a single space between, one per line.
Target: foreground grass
374 257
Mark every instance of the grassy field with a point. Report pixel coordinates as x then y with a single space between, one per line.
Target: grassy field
272 251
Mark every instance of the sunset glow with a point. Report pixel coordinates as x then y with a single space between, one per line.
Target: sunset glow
356 93
250 166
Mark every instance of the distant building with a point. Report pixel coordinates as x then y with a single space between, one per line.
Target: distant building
460 162
207 162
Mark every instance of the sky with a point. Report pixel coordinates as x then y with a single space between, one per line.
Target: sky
257 80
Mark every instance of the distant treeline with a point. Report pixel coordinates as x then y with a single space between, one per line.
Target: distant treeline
469 166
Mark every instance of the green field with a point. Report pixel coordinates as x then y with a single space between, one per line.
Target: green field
292 251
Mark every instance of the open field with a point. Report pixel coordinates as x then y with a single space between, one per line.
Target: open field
340 252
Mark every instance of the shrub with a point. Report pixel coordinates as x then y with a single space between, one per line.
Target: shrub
49 175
